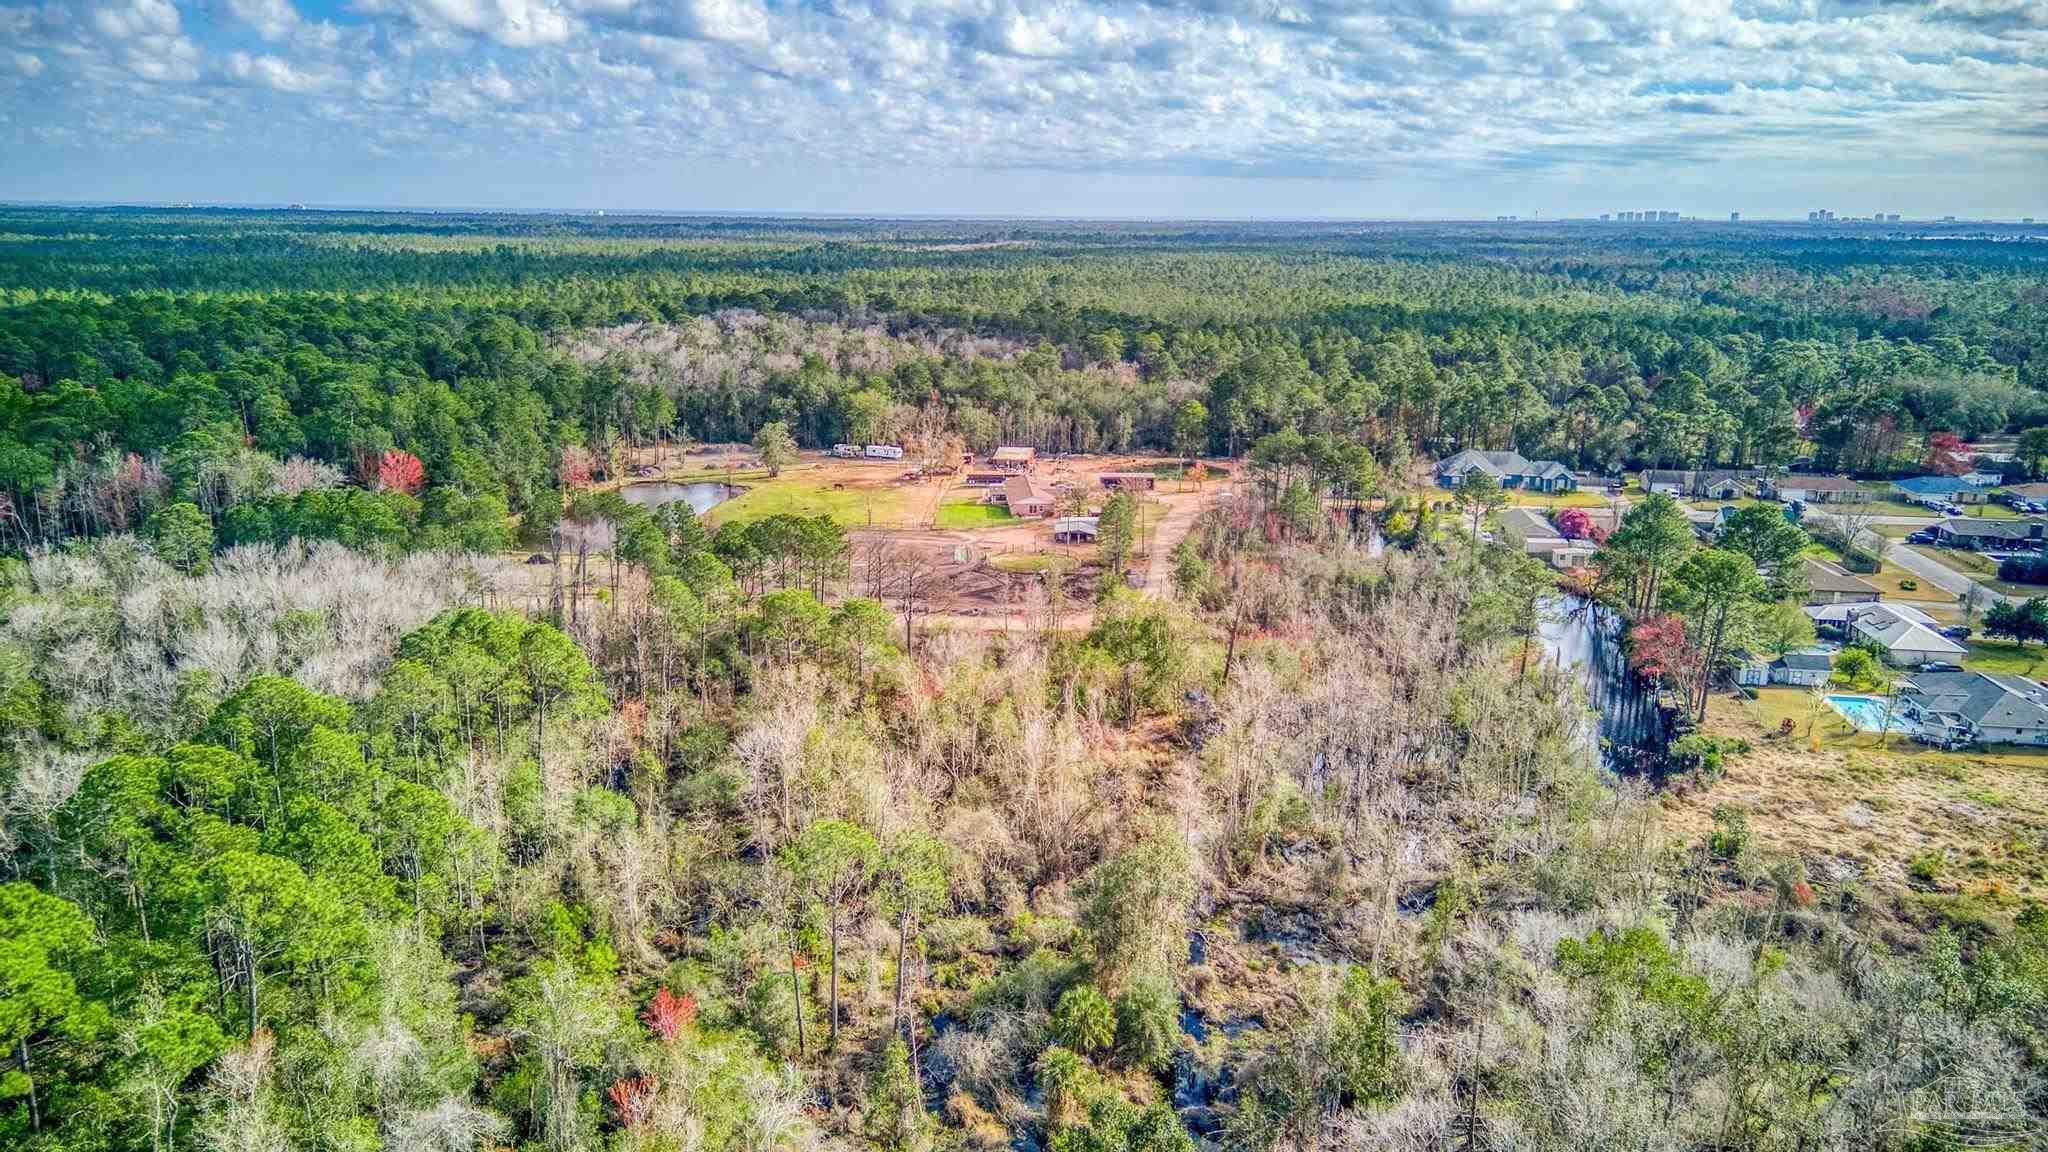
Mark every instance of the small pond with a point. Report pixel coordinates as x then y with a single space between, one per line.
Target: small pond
700 495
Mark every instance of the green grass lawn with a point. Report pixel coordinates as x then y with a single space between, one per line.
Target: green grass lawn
1983 568
798 492
1026 561
1999 656
1897 507
965 514
1583 498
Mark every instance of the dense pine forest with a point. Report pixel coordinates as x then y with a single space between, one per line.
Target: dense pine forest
325 830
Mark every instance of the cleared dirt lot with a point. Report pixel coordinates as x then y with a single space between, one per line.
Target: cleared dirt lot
992 575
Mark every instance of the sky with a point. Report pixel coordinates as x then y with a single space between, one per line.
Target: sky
1412 108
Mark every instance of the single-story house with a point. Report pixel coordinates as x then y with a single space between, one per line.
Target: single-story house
1982 479
1509 469
1025 498
1074 530
1725 483
1667 482
1141 481
1902 634
1953 488
1981 534
1830 583
1806 669
1530 531
1813 489
1011 458
2035 492
1976 707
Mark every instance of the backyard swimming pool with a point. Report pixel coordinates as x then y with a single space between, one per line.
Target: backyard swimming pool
1867 713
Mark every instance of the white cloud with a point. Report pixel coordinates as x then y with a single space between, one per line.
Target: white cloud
272 19
276 73
1244 87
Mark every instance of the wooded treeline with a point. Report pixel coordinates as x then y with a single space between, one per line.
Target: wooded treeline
1599 350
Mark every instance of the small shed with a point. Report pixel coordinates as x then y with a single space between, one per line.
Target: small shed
1074 530
1013 458
1807 669
1139 481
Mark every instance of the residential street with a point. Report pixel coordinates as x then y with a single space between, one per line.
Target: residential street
1924 567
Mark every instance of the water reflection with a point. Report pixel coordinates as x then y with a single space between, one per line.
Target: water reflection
700 495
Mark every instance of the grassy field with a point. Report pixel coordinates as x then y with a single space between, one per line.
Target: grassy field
971 514
802 491
1026 561
2011 659
1842 802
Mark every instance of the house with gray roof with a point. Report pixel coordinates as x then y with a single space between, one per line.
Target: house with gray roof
1982 534
1976 707
1509 469
1902 634
1830 583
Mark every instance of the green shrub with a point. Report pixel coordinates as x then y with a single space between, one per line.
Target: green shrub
1084 1020
1146 1024
1731 832
1925 868
1909 585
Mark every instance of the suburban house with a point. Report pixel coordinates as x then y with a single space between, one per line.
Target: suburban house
1951 488
1813 489
1667 482
1984 535
1806 669
1975 707
1074 530
1902 634
2035 492
1528 530
1725 484
1509 469
1026 498
1981 479
1705 484
1140 481
1830 583
1010 458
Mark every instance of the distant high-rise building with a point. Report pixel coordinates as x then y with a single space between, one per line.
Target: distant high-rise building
1894 218
2026 219
1735 217
1603 216
1948 219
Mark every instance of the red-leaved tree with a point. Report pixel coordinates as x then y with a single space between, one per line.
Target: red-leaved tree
633 1097
1658 648
1574 523
1946 455
577 467
668 1013
400 472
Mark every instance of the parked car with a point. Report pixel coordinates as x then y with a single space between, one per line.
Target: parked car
1923 536
1952 509
2033 506
1957 632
